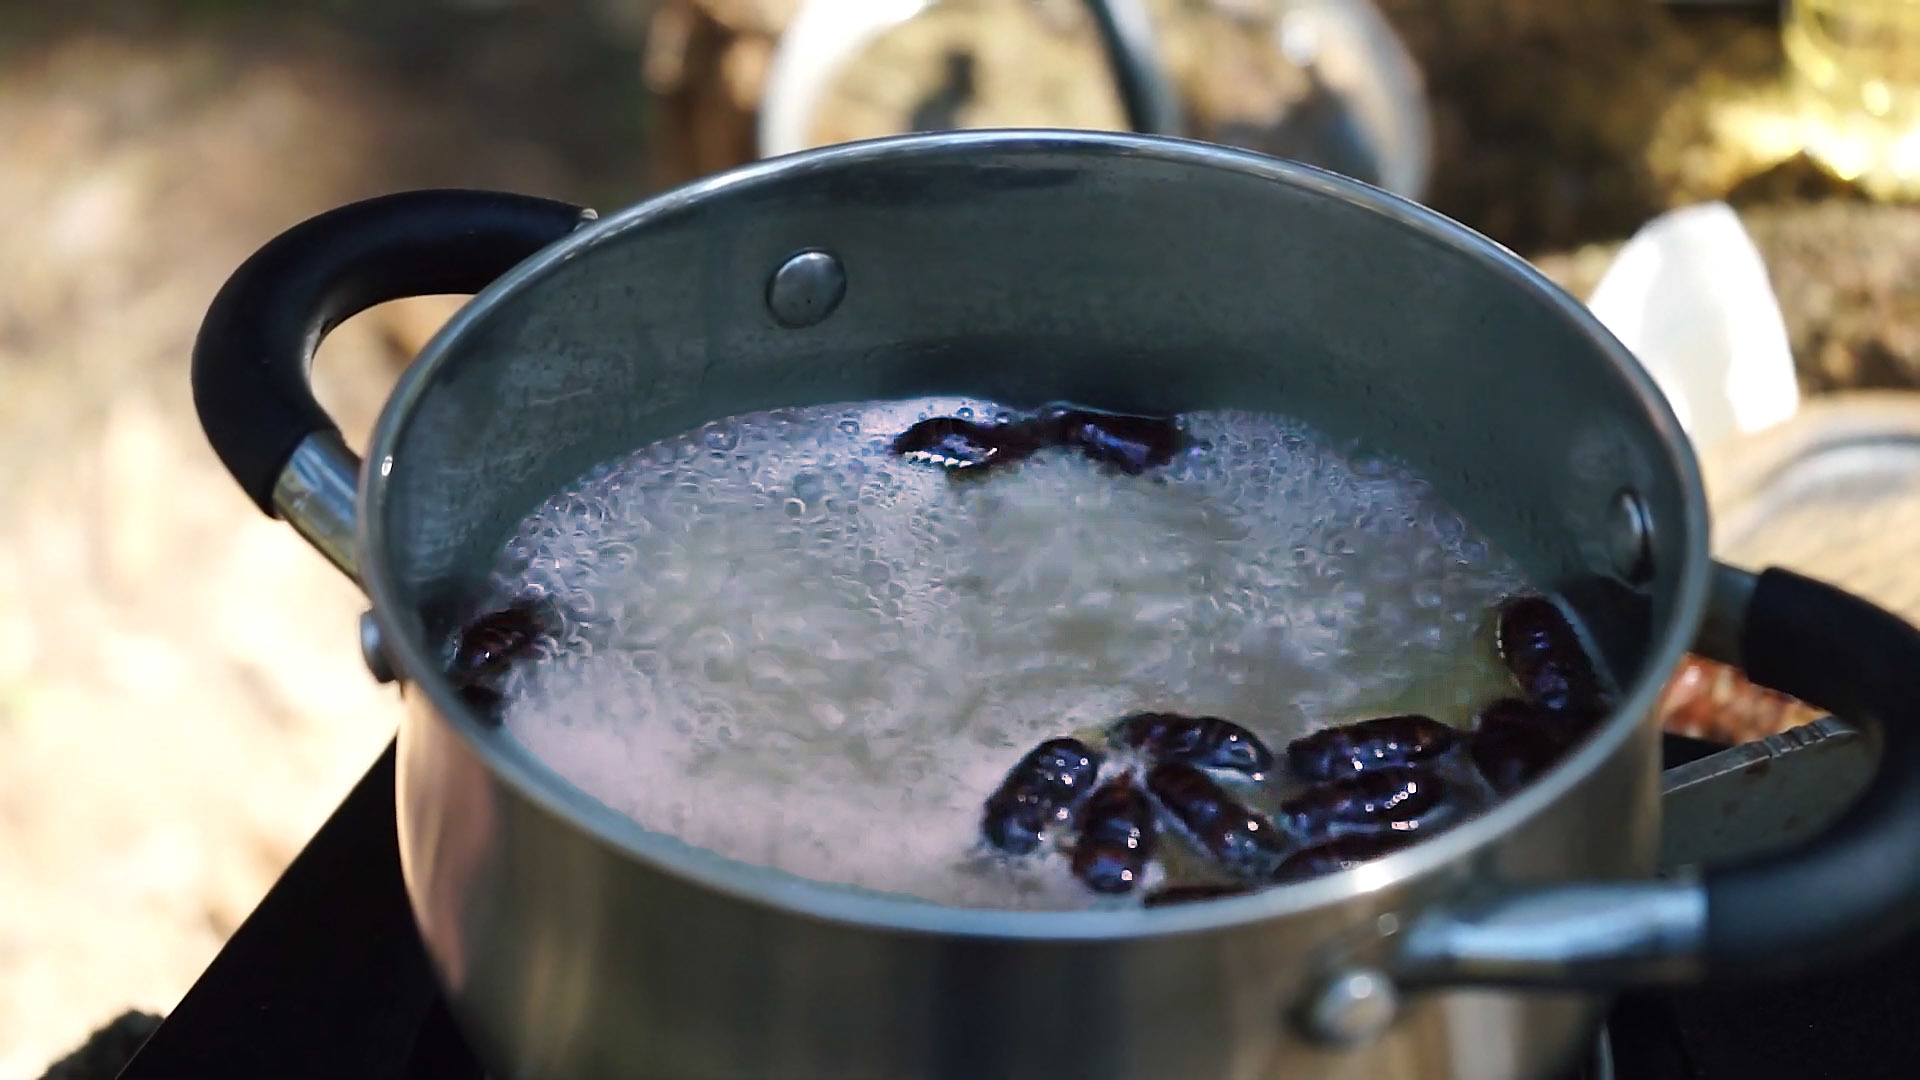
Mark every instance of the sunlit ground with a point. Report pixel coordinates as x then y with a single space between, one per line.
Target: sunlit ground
181 696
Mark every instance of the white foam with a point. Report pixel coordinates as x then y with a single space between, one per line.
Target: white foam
789 647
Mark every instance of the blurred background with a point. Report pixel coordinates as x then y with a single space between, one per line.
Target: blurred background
182 699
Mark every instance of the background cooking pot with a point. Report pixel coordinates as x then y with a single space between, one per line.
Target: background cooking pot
1121 271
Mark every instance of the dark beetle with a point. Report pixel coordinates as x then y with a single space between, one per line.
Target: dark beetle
1116 837
1239 839
488 646
1040 791
1189 894
1132 444
966 446
1204 741
479 695
1382 743
1511 715
1340 854
1545 656
1514 742
490 643
1380 800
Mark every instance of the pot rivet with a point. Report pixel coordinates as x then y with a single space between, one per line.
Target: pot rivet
1630 537
806 289
1352 1007
372 652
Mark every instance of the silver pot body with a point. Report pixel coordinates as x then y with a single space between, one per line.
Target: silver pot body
1123 272
564 955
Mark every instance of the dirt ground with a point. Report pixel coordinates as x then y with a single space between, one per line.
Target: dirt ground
181 696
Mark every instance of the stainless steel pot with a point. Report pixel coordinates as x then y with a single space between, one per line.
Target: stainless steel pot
1121 271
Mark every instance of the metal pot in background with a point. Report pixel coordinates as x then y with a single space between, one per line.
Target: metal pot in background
1327 82
1124 272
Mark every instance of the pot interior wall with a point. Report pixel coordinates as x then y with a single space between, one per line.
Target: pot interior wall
1036 269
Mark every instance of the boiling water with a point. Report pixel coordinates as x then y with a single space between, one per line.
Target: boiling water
787 646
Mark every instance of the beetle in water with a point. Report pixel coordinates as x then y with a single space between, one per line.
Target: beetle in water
488 646
482 697
1400 799
1131 444
1377 785
1116 827
1239 839
1514 742
1116 837
1382 743
1191 894
1544 654
964 445
1206 742
1342 853
1038 792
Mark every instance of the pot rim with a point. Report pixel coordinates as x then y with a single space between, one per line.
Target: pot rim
540 785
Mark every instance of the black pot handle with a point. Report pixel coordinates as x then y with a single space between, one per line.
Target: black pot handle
256 344
1851 890
1856 888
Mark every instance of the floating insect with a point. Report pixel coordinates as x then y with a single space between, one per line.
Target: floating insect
1239 839
1131 444
1116 837
1401 799
1382 743
1343 853
1039 792
486 647
964 445
1374 786
1190 894
1206 742
1115 825
1514 742
1545 656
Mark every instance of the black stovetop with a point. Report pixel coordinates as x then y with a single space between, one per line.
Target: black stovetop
327 979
